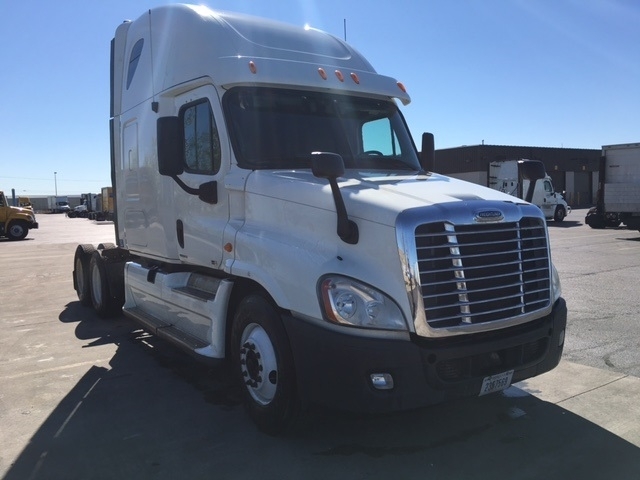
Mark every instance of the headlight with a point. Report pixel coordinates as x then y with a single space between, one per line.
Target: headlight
555 283
349 302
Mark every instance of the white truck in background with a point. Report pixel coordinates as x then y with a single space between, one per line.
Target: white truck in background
272 211
58 204
618 198
505 176
88 204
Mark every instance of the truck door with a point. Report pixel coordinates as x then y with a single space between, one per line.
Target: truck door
545 197
4 211
199 225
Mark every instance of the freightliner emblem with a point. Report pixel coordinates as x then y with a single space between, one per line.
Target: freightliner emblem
489 216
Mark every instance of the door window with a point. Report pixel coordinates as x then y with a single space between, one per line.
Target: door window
201 140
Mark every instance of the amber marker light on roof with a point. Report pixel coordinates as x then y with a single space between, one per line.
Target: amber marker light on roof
252 67
322 73
339 75
402 87
355 78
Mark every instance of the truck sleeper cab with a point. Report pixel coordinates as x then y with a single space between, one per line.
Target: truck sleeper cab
271 209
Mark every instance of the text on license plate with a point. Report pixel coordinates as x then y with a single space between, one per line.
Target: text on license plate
495 383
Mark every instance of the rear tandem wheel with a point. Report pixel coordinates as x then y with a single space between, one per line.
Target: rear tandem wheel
81 278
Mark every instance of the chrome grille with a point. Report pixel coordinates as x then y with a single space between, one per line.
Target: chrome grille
482 273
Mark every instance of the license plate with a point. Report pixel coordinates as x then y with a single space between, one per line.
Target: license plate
495 383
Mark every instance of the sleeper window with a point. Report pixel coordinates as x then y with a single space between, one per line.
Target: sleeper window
136 52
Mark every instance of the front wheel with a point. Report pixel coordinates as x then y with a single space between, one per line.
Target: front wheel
559 214
263 365
17 231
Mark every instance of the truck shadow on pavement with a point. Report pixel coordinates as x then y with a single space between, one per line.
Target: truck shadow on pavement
7 240
155 412
634 239
565 224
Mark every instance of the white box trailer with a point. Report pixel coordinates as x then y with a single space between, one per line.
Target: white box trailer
271 210
619 188
58 204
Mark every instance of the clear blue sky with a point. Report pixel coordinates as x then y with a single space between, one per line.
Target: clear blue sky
551 73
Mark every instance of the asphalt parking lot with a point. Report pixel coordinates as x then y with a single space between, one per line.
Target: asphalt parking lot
87 398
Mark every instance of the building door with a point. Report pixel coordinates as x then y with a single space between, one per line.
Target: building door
582 190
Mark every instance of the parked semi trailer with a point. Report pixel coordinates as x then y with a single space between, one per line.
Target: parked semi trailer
103 209
618 200
272 212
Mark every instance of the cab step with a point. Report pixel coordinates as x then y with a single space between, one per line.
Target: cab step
167 331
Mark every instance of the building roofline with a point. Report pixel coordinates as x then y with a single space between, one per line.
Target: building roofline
515 146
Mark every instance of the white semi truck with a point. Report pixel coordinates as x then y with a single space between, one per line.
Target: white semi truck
505 176
88 204
58 204
618 198
272 211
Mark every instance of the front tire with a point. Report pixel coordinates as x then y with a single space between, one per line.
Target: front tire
263 365
17 231
559 214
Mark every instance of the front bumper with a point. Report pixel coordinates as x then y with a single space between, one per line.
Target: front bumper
334 369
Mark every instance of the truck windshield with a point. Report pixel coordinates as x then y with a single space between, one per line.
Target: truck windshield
277 128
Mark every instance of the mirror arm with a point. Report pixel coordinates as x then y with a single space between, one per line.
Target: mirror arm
347 229
331 166
207 192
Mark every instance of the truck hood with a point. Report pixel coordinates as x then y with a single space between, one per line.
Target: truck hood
376 197
22 211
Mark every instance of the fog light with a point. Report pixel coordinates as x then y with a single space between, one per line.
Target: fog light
382 381
561 338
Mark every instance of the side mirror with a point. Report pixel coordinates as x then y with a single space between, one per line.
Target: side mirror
171 159
170 150
327 165
428 153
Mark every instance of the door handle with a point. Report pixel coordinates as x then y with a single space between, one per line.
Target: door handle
180 233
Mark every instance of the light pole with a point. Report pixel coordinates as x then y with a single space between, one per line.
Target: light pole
55 182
